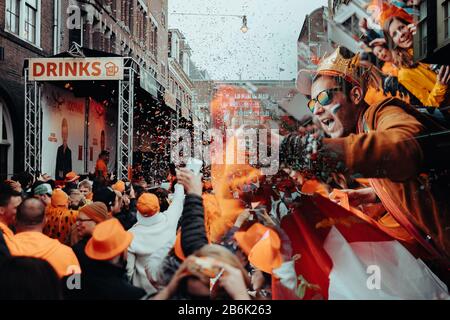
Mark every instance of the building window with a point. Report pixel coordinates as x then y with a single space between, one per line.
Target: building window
113 5
422 29
112 43
153 40
163 19
352 25
6 143
13 15
23 19
447 19
30 21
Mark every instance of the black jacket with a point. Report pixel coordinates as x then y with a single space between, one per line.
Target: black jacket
127 217
4 251
101 280
193 233
63 162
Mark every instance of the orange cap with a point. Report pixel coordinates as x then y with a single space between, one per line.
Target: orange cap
265 254
59 198
119 186
148 204
247 239
108 240
71 176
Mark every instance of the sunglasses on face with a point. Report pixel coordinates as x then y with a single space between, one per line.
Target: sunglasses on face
83 220
323 98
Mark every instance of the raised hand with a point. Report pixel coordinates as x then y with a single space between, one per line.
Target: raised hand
444 75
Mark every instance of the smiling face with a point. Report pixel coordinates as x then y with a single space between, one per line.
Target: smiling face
338 118
382 53
400 34
85 226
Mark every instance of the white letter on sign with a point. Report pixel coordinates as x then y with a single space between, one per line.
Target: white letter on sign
74 18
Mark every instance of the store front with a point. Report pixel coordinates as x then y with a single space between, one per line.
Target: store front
78 104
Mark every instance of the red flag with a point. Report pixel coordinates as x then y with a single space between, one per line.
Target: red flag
325 235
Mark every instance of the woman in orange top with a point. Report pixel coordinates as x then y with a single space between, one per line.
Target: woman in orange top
418 78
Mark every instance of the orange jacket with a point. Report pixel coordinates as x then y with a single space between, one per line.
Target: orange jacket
385 150
38 245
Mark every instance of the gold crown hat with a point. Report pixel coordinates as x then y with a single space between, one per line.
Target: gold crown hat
333 65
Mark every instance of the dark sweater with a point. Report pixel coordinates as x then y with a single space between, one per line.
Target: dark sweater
101 280
193 233
4 251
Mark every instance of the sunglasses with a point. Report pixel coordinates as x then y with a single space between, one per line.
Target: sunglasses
323 98
83 220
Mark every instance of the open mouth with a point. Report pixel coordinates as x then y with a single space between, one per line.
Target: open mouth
328 123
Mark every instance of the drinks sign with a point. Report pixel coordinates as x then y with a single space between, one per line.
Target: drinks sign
57 69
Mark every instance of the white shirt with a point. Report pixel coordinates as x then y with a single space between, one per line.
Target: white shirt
150 235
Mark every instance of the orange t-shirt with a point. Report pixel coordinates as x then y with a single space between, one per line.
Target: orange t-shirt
101 166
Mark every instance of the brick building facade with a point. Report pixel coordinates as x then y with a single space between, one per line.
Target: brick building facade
38 28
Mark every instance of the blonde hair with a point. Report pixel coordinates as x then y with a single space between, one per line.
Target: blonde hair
85 184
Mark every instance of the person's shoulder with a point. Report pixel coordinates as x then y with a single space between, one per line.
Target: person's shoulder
65 248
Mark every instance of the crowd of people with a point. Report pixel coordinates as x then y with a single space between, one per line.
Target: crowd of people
379 143
365 184
106 239
389 35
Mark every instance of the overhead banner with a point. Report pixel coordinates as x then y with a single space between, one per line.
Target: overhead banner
148 82
58 69
63 133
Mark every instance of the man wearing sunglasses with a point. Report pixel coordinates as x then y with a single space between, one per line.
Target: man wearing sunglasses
387 142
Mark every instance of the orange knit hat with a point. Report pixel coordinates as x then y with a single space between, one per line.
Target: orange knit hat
59 198
148 204
119 186
108 240
265 254
96 211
